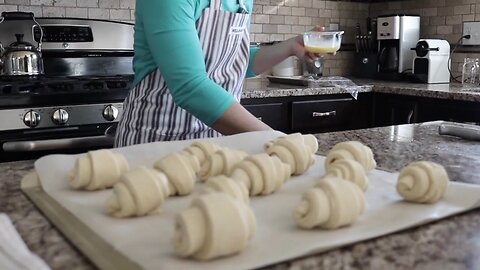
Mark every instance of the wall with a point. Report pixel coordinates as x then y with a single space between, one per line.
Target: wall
273 20
121 10
439 19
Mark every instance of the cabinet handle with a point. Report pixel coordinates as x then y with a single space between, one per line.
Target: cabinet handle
409 117
259 118
324 114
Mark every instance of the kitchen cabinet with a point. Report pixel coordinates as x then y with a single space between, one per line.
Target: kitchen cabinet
391 109
395 110
449 110
331 114
273 114
313 114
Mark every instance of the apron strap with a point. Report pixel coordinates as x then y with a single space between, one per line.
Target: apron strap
216 4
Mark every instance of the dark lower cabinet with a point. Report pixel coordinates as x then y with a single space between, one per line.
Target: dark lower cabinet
313 114
449 110
331 114
399 109
395 110
326 113
272 114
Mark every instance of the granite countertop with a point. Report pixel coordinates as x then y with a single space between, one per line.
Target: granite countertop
452 243
262 88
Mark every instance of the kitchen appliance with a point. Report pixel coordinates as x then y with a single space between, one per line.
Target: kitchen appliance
20 57
75 105
396 35
432 61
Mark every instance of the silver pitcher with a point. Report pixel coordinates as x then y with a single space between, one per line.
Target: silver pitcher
21 57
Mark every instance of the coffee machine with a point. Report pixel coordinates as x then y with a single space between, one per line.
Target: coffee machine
432 61
396 35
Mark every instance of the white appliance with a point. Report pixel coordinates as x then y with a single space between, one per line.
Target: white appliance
432 61
396 35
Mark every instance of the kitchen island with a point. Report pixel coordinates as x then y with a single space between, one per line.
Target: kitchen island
452 243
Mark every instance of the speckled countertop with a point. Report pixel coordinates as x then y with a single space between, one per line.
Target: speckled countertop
261 88
452 243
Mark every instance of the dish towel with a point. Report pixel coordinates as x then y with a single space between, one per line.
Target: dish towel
14 253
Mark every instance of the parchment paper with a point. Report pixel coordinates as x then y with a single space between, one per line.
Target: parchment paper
148 240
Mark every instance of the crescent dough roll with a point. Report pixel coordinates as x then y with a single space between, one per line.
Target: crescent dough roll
352 150
261 174
350 170
140 192
180 169
215 225
331 204
97 169
202 149
296 149
422 182
221 162
222 183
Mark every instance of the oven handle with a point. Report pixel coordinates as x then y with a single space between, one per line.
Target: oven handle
58 144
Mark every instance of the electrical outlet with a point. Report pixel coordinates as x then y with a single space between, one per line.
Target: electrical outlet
473 29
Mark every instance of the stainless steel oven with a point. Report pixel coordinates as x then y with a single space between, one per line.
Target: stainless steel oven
75 106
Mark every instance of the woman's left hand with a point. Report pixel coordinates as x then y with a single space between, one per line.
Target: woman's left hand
298 47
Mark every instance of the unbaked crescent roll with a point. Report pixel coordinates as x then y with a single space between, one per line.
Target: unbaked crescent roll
221 162
350 170
140 192
352 150
181 170
261 174
296 149
223 183
97 169
215 225
331 204
202 149
422 182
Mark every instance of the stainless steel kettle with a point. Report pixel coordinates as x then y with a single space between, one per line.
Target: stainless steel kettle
20 57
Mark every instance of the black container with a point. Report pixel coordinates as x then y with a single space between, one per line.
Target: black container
365 65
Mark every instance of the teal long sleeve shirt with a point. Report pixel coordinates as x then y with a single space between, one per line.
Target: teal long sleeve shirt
166 38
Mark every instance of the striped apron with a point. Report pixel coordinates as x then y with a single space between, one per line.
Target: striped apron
150 113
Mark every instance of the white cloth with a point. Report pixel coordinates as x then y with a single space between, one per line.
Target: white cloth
14 253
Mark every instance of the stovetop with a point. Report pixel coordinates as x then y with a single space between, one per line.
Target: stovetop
46 90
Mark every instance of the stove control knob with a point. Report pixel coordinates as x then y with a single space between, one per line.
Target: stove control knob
60 117
110 113
31 119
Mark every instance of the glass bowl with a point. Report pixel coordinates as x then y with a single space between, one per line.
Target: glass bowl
322 42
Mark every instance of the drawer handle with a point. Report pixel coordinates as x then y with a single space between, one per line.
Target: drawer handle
259 118
324 114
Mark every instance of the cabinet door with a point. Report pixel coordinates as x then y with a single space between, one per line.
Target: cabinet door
395 110
322 115
272 114
449 110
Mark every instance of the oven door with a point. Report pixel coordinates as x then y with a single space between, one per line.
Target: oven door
34 143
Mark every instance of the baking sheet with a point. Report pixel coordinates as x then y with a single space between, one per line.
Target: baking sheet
147 241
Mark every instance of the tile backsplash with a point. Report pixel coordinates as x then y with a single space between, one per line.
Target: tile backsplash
275 20
119 10
272 20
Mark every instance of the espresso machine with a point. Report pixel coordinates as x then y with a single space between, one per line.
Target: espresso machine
432 61
396 35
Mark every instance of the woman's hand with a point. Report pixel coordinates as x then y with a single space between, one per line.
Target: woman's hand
298 47
269 56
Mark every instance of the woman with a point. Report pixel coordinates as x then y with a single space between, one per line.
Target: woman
191 58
